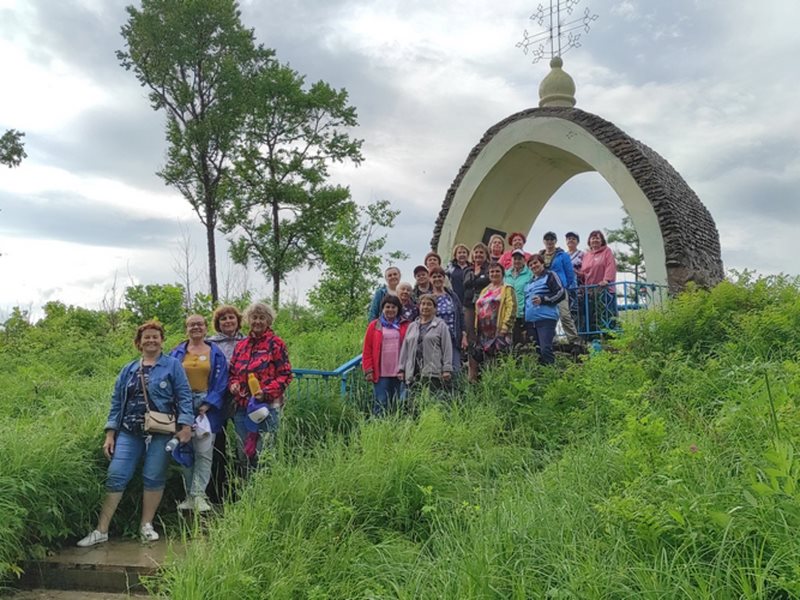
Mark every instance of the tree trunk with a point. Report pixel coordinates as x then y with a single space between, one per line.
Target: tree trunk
276 270
212 260
276 288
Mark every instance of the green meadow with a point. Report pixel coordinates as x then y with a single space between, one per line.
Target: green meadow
661 467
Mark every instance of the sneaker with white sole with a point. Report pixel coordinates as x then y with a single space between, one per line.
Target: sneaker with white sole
187 504
148 533
201 504
94 538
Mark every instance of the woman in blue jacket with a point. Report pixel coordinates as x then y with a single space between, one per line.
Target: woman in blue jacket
559 262
159 381
542 296
207 370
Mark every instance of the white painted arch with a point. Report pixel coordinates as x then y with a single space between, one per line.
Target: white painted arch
517 172
522 161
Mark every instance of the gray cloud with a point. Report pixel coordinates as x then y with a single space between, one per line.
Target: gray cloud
762 158
759 195
72 218
662 41
123 140
120 142
69 31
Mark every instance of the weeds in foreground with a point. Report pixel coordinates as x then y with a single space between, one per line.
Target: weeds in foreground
666 469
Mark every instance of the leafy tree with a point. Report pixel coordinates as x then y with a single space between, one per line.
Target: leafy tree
281 204
353 259
202 305
191 55
59 316
12 150
17 323
162 302
629 259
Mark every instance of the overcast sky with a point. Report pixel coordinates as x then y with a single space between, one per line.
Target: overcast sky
710 85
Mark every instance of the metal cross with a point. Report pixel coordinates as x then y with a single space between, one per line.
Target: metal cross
563 35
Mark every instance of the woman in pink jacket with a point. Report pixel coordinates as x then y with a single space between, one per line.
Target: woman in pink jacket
599 269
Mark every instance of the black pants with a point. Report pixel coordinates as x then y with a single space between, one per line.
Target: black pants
518 335
217 488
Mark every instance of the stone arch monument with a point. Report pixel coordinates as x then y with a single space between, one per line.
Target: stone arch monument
523 160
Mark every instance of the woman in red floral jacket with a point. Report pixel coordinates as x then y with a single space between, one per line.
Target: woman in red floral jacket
263 354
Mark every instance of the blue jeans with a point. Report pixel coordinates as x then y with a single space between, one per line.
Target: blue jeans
543 332
128 452
388 392
196 477
267 428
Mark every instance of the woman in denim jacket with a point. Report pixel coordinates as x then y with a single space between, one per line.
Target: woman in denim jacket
127 444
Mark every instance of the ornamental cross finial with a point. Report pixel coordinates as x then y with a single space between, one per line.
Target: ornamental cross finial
562 29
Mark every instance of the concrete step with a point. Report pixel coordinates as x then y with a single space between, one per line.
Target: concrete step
114 567
69 595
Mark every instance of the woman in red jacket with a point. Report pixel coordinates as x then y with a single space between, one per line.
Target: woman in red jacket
264 355
381 355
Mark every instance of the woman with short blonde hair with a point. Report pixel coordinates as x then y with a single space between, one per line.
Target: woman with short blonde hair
457 269
207 370
497 245
264 355
392 277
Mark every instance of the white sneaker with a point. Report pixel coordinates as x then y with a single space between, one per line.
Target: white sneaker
95 537
201 504
187 504
148 533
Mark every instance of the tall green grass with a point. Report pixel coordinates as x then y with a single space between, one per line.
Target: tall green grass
664 468
56 379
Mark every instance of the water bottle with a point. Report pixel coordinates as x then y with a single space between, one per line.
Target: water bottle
172 444
253 384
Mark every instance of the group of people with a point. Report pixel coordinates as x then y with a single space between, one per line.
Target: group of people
486 300
172 406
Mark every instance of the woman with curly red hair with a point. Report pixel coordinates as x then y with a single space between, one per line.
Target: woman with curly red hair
516 240
154 382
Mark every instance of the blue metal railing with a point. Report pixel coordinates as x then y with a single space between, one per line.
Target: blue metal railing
596 309
347 378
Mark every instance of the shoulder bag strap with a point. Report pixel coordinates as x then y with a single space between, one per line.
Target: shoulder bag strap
144 387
